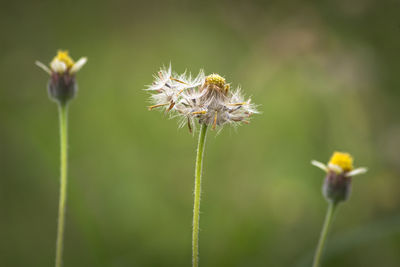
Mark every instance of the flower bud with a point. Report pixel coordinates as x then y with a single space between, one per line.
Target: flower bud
339 172
62 86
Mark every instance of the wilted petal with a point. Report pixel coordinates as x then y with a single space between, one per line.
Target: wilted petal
78 65
320 165
58 66
43 67
335 168
356 172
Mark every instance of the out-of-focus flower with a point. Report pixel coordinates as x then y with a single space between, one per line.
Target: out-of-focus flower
340 170
206 99
62 69
62 87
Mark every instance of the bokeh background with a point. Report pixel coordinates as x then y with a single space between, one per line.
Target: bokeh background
326 77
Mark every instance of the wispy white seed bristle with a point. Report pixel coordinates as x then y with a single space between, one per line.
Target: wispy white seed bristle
192 99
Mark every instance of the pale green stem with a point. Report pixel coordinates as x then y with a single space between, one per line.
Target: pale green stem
324 233
63 110
197 194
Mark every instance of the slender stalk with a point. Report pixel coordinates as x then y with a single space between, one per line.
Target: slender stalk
197 194
324 233
63 110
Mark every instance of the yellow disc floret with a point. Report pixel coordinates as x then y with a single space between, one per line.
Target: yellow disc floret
215 79
64 57
343 160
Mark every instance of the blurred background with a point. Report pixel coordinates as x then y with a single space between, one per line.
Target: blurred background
325 75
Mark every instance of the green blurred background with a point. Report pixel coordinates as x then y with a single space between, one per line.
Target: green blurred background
326 77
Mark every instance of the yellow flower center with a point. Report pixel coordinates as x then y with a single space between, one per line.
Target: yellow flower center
343 160
64 57
215 79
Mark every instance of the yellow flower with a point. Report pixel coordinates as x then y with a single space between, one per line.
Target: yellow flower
339 170
63 63
62 86
343 160
62 56
340 163
215 79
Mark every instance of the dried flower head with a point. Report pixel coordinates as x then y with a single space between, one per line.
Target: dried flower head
62 85
206 99
337 185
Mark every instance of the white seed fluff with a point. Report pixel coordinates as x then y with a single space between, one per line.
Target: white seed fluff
205 99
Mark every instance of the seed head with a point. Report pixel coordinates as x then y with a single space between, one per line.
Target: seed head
205 99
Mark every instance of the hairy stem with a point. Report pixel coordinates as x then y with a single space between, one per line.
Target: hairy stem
324 233
197 194
63 110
